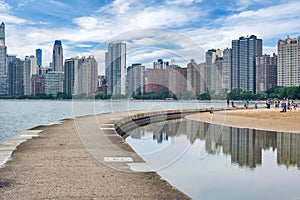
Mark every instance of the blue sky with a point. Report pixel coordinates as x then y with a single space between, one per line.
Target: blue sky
178 29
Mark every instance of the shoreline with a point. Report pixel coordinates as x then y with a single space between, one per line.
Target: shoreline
62 164
258 119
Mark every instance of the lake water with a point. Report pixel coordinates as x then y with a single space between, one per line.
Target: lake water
19 115
216 162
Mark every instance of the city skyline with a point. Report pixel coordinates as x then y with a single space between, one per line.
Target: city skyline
33 24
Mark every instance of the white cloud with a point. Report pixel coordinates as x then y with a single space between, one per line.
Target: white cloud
117 7
4 7
183 2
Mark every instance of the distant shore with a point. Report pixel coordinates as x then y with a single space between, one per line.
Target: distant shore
261 119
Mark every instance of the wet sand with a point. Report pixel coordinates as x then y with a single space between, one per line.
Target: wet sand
262 119
56 165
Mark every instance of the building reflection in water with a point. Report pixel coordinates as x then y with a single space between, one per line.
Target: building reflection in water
244 146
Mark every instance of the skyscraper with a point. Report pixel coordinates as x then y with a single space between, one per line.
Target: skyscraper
57 56
87 76
54 82
16 77
196 77
27 76
136 79
71 76
38 55
243 66
213 73
288 68
116 68
226 69
3 63
266 72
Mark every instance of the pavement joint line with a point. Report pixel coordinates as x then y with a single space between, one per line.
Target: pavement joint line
118 159
107 128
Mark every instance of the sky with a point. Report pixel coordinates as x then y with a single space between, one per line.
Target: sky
177 30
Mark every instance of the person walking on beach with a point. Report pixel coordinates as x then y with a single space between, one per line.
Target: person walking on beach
232 104
227 102
283 105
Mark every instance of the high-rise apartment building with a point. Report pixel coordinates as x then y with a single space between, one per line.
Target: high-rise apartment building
136 79
27 75
226 69
266 72
213 73
196 77
87 76
57 56
115 69
3 63
243 66
16 77
288 68
54 82
157 81
38 55
177 80
38 84
71 69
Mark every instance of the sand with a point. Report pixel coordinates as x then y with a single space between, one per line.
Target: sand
56 165
261 119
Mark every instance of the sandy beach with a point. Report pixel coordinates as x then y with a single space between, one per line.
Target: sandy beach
262 119
56 165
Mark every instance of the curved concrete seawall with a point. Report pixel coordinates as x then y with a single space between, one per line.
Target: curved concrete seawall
131 122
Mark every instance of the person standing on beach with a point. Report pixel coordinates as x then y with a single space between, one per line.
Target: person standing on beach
283 104
227 102
232 104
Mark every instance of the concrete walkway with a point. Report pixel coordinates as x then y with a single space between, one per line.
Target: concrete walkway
81 158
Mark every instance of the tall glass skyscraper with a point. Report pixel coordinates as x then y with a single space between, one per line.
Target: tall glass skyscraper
115 68
71 76
57 56
3 62
38 55
243 66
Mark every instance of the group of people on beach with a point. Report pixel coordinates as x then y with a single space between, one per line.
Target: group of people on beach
285 104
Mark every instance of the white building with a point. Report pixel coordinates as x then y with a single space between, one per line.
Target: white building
288 65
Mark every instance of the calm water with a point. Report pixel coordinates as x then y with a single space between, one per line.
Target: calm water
215 162
19 115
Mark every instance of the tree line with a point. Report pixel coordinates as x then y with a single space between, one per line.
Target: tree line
277 92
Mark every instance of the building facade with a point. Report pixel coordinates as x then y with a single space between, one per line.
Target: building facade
196 77
54 82
71 69
136 79
16 77
115 69
27 75
160 64
266 72
226 70
57 56
243 66
288 68
37 84
213 73
39 59
87 76
4 87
